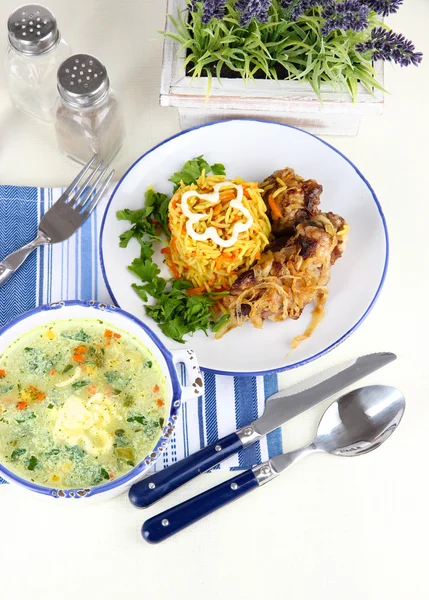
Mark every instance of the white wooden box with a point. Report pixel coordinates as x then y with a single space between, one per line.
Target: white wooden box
284 101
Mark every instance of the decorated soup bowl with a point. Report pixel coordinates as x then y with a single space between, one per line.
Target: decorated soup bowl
79 412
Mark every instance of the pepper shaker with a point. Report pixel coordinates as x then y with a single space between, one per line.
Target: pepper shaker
88 116
35 51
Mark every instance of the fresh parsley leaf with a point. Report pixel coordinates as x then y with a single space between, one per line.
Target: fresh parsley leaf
159 204
192 170
181 284
80 384
133 216
32 463
67 369
140 291
50 406
145 269
218 169
125 237
17 453
148 364
175 329
146 250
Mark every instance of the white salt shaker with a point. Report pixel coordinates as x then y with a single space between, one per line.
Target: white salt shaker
88 116
35 51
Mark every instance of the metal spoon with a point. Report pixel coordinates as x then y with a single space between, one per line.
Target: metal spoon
356 423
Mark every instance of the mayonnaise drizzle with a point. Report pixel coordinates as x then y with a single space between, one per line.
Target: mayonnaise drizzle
214 198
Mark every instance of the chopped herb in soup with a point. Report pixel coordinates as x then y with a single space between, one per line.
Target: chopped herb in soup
81 403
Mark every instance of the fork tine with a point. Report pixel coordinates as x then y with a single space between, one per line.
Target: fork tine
92 189
83 190
79 177
93 203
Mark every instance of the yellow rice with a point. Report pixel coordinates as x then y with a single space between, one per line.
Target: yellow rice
205 264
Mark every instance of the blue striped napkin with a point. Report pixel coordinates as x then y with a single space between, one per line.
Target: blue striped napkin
71 270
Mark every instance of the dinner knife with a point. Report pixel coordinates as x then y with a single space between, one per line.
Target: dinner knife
280 408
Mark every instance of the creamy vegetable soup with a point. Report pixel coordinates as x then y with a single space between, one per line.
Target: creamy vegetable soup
81 403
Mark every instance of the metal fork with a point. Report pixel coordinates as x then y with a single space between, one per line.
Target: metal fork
65 217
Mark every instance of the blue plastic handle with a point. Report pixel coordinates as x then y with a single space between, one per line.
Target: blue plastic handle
175 519
156 486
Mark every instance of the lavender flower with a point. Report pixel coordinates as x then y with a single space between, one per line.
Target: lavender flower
213 9
350 14
298 7
390 46
384 7
253 9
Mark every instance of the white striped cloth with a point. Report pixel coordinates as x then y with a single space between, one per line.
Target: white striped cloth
71 271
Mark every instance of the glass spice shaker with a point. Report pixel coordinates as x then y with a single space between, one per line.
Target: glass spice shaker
88 117
35 51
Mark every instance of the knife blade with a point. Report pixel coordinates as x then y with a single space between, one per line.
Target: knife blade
279 409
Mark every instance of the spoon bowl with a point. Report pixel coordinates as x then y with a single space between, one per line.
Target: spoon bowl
360 421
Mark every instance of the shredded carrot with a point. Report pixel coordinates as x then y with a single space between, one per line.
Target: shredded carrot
258 255
32 389
40 396
196 291
155 389
166 250
21 405
246 193
52 373
83 368
92 390
2 372
78 358
274 207
107 343
227 195
174 270
117 336
108 333
160 402
80 350
111 475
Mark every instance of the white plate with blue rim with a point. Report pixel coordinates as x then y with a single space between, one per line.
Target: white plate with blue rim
253 150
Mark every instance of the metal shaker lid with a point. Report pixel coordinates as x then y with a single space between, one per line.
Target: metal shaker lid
32 29
82 80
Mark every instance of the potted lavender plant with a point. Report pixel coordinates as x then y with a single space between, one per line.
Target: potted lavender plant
317 64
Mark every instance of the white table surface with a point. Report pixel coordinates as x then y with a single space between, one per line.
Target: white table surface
329 528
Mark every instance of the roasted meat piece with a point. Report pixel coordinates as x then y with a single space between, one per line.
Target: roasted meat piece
291 274
290 199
